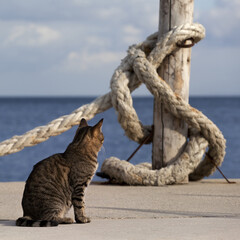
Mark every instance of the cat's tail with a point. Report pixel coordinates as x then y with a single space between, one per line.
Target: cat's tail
28 222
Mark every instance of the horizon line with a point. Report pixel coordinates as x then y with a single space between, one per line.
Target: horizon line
96 96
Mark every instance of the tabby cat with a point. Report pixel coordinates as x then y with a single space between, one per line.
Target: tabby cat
59 181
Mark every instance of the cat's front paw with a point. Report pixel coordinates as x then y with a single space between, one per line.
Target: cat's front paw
83 220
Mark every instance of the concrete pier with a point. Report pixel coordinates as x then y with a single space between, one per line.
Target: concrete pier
209 209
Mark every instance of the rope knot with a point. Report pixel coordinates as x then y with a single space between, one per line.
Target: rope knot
143 60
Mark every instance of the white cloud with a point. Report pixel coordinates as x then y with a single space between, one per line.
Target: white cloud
109 13
32 35
222 22
83 61
95 41
131 34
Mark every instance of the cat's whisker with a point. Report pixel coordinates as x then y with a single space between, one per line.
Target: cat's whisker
103 152
103 149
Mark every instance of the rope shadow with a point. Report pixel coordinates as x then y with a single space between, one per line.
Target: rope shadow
174 214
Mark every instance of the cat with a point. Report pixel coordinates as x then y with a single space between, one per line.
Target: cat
59 181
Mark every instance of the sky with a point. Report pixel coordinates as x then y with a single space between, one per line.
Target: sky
72 47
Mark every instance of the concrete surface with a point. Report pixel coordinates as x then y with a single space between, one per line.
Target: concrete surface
209 209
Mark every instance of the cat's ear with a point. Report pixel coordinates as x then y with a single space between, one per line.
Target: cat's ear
98 127
99 124
83 123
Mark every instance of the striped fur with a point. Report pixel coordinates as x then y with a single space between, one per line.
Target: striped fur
58 182
26 222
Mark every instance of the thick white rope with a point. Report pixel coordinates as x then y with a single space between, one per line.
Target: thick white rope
55 127
145 69
139 66
121 171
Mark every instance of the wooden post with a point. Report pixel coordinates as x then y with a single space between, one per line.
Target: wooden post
170 134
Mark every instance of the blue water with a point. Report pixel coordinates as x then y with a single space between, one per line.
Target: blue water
19 115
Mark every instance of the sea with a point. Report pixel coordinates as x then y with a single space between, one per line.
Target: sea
19 115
